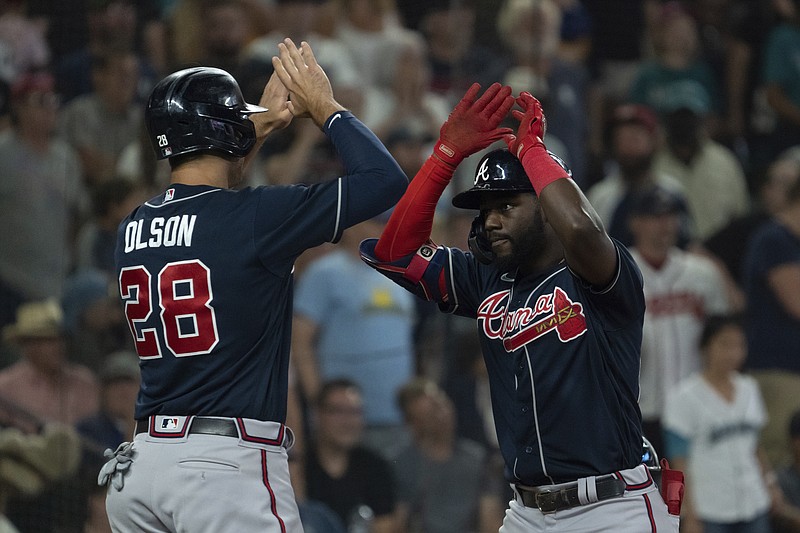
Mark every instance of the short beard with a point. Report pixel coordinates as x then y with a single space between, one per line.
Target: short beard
524 246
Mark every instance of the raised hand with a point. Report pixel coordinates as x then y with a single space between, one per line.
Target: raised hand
532 125
275 98
473 124
310 92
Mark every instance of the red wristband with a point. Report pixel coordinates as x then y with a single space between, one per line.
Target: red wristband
541 168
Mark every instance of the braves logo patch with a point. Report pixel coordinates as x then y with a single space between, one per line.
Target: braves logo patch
524 325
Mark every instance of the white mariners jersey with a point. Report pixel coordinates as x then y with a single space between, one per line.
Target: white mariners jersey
723 472
679 296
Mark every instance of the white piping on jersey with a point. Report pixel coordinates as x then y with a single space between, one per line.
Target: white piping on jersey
334 117
530 372
616 277
452 280
338 208
148 204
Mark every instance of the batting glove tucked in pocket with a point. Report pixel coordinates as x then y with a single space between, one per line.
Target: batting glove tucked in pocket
119 462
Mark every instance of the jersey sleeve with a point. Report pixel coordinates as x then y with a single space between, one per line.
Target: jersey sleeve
448 276
623 299
291 219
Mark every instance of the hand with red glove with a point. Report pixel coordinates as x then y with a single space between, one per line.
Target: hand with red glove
540 166
473 124
532 125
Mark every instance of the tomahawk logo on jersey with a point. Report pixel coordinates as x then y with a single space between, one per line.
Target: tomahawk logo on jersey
552 312
545 339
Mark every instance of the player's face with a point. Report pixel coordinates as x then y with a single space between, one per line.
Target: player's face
514 226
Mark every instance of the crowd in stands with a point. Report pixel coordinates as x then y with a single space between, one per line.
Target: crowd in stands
679 119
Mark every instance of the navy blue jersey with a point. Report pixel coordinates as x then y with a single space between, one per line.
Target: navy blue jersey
205 275
563 358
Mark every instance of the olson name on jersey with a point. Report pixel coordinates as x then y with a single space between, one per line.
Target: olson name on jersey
172 231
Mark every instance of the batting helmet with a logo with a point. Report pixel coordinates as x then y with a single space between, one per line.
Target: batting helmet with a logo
200 109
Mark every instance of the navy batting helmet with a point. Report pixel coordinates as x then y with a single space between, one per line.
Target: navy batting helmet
498 171
200 109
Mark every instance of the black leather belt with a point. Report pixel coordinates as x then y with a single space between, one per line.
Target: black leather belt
202 426
550 500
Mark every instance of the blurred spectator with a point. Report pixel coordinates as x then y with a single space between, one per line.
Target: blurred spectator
114 422
409 101
44 388
93 318
727 243
576 27
681 289
23 46
29 464
43 382
614 58
772 290
40 196
780 77
225 30
112 25
635 139
437 462
96 516
712 176
297 19
677 72
356 483
455 57
786 511
99 125
351 322
530 30
374 39
112 201
712 424
67 23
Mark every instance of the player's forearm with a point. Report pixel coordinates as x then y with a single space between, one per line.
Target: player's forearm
412 219
375 180
587 248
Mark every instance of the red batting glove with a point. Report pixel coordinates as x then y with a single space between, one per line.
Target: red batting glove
532 125
540 166
473 124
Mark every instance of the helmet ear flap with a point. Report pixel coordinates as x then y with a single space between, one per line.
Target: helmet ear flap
478 243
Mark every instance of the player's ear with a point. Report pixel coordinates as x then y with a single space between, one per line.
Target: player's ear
478 243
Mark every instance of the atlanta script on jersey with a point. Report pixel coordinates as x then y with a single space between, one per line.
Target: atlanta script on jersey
552 346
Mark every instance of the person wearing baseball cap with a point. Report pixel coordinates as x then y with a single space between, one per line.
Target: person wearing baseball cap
635 139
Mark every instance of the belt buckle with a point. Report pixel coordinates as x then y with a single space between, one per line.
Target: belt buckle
546 501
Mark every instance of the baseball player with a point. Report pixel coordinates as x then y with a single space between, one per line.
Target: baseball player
559 308
205 275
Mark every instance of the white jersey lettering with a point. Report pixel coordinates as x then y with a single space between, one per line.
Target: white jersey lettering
173 231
